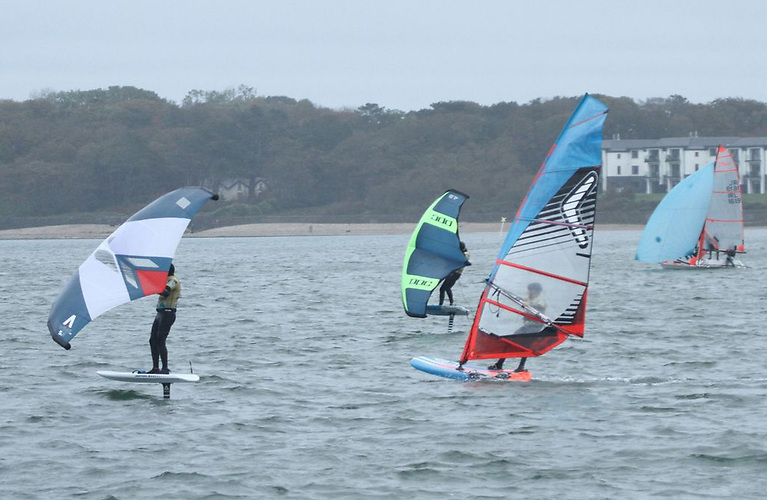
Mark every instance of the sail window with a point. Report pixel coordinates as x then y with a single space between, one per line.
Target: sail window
106 258
142 262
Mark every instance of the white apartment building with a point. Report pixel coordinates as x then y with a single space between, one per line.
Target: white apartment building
657 165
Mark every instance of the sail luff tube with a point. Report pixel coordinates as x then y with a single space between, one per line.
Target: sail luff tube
536 292
131 263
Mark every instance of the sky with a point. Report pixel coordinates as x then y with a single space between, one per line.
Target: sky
399 54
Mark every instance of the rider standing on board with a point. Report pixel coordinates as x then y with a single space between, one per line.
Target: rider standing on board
447 284
166 316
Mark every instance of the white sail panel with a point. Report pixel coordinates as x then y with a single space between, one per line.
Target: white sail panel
158 237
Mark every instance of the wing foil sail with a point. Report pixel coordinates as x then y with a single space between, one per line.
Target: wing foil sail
131 263
432 253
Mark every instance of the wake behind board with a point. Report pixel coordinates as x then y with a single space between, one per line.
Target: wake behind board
443 310
150 378
449 369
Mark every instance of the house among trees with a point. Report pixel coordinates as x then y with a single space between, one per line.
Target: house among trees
657 165
233 189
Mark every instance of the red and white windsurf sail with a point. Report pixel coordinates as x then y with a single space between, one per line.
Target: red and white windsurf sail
723 229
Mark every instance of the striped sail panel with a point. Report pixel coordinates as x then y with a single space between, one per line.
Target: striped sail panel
673 230
432 253
536 293
131 263
724 220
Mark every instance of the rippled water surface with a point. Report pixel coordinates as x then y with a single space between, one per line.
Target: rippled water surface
307 392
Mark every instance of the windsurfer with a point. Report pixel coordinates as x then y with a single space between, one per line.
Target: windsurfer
447 284
536 301
166 316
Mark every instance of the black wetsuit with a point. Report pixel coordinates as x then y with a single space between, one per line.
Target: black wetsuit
447 286
449 281
160 330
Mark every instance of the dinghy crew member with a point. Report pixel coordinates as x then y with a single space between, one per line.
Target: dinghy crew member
536 301
447 284
166 316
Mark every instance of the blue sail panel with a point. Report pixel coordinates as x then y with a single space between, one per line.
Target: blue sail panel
674 227
182 203
131 263
432 253
69 314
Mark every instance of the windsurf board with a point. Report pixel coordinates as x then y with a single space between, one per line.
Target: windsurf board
443 310
449 369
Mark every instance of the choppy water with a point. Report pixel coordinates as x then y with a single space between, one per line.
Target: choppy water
306 391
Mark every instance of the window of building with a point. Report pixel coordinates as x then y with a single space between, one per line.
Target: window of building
696 167
696 155
635 154
619 170
712 151
619 156
634 169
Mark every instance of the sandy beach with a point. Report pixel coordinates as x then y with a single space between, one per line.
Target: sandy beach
99 231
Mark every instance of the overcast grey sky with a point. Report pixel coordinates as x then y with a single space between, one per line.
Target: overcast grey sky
400 54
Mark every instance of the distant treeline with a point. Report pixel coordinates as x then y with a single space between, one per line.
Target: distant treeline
110 151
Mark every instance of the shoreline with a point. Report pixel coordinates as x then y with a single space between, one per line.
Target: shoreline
101 231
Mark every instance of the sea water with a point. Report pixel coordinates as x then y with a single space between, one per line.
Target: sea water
306 390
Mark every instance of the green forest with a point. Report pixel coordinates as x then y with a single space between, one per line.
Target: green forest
86 155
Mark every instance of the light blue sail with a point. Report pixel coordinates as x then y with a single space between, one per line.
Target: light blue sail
674 227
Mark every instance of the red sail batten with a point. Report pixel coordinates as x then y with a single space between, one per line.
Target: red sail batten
542 273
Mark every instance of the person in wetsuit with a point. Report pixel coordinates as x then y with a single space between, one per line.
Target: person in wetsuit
536 301
450 279
166 316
